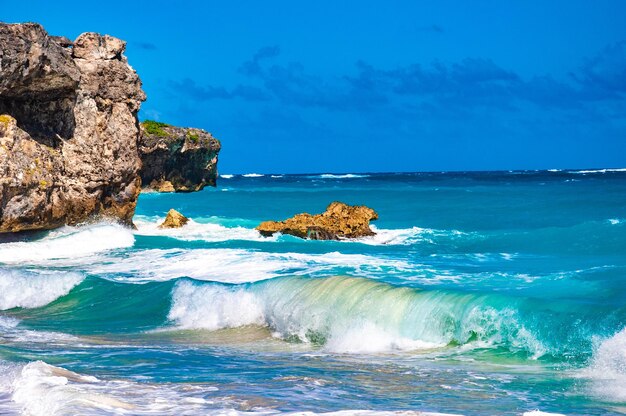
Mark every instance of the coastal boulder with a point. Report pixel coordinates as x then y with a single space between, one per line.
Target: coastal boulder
174 219
177 159
68 129
338 221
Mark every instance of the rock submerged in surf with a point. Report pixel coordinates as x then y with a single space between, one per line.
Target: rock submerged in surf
174 219
337 222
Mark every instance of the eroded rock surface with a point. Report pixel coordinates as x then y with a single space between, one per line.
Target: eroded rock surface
174 219
68 129
177 159
338 221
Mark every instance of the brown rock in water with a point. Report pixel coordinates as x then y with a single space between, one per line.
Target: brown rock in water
174 219
338 221
68 129
177 159
162 186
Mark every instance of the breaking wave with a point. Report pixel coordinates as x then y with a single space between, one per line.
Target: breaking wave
354 315
68 242
27 289
607 370
599 170
341 176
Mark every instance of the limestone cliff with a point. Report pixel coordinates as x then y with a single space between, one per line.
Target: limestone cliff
177 159
68 129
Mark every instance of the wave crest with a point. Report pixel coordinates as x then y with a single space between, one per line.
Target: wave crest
345 314
26 289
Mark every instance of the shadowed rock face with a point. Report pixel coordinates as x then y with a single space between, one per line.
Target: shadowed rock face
68 129
177 159
338 221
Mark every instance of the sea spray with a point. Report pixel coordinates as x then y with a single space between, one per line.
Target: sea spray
607 369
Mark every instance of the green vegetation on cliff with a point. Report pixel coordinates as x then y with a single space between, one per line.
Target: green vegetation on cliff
155 128
194 137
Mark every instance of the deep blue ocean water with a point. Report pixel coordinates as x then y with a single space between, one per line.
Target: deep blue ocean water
482 293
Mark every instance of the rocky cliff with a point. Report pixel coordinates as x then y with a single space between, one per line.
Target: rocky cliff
177 159
68 129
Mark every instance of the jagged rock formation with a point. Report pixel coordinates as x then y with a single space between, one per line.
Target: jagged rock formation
68 129
177 159
174 219
338 221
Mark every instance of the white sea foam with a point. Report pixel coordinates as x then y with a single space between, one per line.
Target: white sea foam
616 221
195 231
41 389
607 370
277 176
540 413
366 338
234 265
214 307
341 176
253 175
27 289
227 176
402 236
406 236
10 330
68 242
8 323
599 171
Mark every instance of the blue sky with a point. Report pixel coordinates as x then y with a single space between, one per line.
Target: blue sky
338 86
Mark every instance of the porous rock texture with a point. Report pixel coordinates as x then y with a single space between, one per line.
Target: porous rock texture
338 221
174 219
177 159
68 129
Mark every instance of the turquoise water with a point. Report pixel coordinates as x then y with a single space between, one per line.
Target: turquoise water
482 293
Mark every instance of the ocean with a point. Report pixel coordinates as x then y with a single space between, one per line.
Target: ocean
482 293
